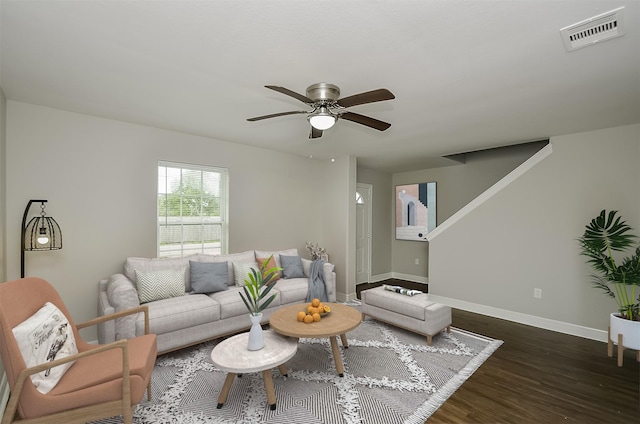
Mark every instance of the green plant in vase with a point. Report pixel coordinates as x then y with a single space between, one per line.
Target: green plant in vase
605 234
257 287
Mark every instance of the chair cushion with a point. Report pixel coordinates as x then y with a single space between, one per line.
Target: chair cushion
43 337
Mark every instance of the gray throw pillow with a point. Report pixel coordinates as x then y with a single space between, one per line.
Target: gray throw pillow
292 266
208 277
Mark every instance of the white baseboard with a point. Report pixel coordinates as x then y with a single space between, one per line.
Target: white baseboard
532 320
396 275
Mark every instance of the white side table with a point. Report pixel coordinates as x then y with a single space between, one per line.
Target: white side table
232 356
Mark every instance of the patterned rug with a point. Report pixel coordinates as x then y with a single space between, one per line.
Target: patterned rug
391 376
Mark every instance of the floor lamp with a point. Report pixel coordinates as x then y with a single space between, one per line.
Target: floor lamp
41 233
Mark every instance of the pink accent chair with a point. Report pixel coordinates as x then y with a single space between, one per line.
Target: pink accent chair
105 380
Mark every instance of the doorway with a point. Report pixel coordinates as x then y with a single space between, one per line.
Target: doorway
364 194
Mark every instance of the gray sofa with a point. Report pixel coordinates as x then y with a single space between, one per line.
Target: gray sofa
185 316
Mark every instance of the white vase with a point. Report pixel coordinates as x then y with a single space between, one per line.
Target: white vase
256 338
630 331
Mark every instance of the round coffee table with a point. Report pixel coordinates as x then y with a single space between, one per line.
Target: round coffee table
231 355
341 319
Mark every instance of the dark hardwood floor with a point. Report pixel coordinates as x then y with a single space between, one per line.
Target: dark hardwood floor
540 376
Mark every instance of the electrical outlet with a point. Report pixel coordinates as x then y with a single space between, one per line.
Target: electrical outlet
417 261
537 293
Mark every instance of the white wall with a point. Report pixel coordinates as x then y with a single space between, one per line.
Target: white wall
381 216
524 237
456 186
100 179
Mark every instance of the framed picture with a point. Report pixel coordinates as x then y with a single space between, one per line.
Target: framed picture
415 211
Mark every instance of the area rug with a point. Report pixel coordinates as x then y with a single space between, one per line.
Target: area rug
391 376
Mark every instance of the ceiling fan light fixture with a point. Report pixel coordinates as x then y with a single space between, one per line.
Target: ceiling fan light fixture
322 119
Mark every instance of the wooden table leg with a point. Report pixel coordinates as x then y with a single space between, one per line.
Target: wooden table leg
345 343
222 398
283 370
620 350
336 355
268 386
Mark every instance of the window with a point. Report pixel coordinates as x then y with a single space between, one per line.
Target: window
192 209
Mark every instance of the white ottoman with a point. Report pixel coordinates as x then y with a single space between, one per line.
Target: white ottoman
414 313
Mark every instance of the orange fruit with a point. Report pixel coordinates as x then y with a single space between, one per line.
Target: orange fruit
327 309
320 307
309 309
315 302
316 317
301 316
308 319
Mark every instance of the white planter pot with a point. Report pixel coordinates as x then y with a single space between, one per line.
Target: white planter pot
630 331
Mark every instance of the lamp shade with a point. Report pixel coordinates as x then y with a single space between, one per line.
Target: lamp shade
322 120
42 233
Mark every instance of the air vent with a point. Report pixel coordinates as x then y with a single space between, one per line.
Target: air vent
594 30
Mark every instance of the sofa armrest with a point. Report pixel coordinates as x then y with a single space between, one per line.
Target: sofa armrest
120 295
330 280
144 309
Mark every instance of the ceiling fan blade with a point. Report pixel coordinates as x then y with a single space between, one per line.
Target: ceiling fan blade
274 115
315 133
368 97
286 91
365 120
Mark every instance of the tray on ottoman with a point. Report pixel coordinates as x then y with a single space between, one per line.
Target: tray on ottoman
414 313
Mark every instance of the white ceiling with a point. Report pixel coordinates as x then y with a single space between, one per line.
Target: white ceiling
467 75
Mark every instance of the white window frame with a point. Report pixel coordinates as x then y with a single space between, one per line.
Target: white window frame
190 248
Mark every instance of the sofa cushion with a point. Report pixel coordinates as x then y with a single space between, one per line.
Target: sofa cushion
156 285
158 264
292 266
208 277
230 258
292 290
231 304
43 337
242 270
268 266
276 255
183 312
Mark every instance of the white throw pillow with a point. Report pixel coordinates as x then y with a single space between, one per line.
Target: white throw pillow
241 271
156 285
44 337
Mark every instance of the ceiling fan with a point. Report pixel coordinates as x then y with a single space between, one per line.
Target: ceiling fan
328 107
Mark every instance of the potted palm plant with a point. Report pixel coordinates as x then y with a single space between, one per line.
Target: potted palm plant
619 279
256 289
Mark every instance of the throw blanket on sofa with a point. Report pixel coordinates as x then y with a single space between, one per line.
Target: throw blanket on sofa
317 288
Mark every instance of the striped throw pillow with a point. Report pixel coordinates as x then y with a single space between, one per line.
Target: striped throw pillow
156 285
